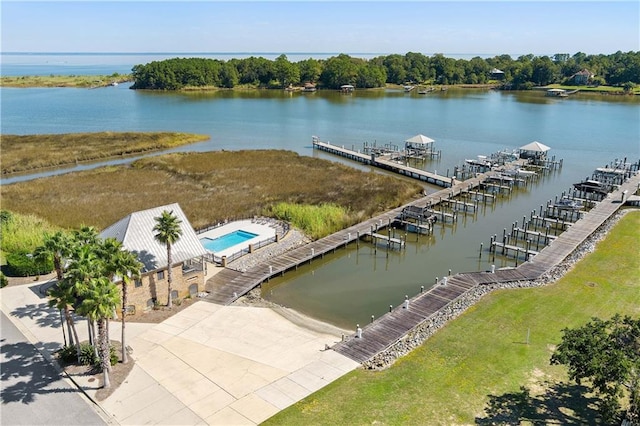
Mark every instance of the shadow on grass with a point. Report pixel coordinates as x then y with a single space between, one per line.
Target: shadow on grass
561 403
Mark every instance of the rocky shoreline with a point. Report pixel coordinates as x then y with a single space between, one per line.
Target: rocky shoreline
427 328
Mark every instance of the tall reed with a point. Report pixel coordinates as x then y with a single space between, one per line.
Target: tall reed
315 221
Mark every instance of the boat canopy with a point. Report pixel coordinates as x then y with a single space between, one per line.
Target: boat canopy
535 146
419 140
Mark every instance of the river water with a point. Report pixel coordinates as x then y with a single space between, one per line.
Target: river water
348 287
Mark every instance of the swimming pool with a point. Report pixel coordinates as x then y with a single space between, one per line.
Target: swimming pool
228 240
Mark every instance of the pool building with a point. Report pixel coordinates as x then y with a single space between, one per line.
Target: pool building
136 234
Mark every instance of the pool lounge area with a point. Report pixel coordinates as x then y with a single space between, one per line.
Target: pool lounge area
233 237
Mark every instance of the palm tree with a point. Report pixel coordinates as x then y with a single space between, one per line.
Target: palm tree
62 296
100 298
57 247
168 231
84 266
86 235
124 264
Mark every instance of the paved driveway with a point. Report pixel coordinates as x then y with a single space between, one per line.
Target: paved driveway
223 365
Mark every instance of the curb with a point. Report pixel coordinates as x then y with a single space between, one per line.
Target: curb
48 358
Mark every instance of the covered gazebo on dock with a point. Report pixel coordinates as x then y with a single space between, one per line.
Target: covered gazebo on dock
419 146
534 150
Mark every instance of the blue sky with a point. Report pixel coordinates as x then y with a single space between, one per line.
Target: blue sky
501 27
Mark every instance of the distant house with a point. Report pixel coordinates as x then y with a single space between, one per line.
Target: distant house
136 234
496 74
582 77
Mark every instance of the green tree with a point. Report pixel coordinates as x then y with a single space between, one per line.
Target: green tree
63 296
57 248
286 72
339 70
396 72
167 231
100 298
607 354
228 76
124 265
310 70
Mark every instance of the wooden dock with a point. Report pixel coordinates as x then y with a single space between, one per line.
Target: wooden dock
226 287
388 329
385 162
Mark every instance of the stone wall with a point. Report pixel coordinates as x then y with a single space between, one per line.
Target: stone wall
420 333
141 297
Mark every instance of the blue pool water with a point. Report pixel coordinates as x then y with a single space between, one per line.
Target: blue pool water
227 240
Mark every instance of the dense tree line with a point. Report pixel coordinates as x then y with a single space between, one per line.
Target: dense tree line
524 72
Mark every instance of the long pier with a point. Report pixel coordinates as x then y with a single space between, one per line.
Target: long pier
385 162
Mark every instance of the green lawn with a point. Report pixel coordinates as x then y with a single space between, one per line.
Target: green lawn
479 368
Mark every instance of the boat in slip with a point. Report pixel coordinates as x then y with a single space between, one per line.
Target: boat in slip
481 161
591 186
518 172
566 203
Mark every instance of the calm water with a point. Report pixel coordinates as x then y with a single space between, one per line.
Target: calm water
350 286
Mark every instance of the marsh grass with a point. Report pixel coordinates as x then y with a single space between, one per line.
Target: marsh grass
210 187
314 221
22 232
33 152
79 81
480 369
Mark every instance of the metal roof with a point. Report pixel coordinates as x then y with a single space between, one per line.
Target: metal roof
535 146
420 139
136 234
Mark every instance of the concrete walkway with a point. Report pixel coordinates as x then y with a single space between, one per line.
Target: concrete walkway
208 364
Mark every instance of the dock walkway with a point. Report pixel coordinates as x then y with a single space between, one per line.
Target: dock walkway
385 162
226 286
388 329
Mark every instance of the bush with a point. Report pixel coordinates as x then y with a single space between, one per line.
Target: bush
68 353
88 355
113 355
24 264
3 280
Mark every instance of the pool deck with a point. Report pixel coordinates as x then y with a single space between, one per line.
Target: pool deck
262 230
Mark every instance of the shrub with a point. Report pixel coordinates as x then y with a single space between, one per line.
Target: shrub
113 355
3 280
88 355
68 353
24 264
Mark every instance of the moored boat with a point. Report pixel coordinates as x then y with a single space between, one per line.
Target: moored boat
566 203
591 186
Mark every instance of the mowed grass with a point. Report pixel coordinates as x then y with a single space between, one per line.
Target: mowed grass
210 187
482 357
33 152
